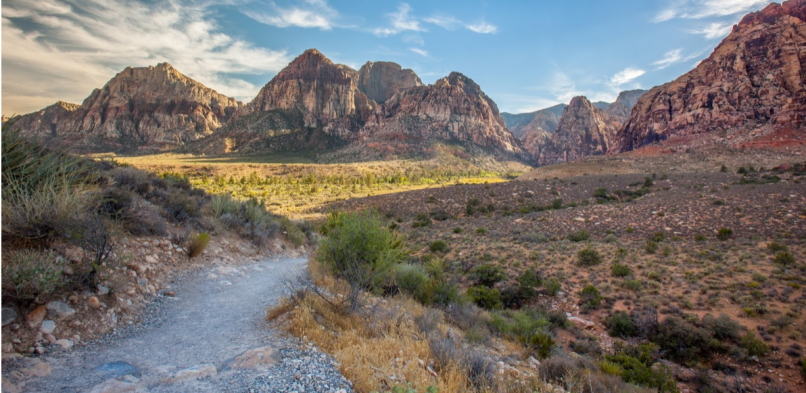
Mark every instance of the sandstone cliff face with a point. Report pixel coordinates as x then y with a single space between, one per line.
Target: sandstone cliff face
752 82
140 108
325 93
382 79
452 109
584 130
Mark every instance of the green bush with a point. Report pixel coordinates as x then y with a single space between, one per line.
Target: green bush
784 258
438 246
700 238
724 234
458 230
481 231
754 346
485 297
530 278
422 220
588 257
28 274
487 275
579 236
359 249
621 325
638 372
658 237
651 247
557 203
634 285
681 341
803 367
413 281
722 328
620 270
197 244
776 247
553 287
590 296
600 193
648 182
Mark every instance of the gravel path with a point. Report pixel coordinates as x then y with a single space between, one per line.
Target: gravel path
211 337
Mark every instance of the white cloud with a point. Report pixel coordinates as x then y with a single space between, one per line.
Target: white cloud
563 88
714 30
625 76
443 21
414 39
419 51
308 13
482 28
62 49
698 9
401 21
671 57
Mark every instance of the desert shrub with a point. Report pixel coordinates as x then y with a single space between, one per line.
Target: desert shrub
360 250
440 215
180 206
511 297
413 281
586 346
784 258
422 220
700 238
776 247
527 282
466 315
634 285
533 237
620 270
588 257
636 371
127 208
553 287
802 366
444 293
480 371
650 247
682 341
223 204
621 325
458 230
722 328
529 327
648 182
197 244
600 193
438 246
754 345
557 203
487 275
28 274
611 238
579 236
481 231
590 296
658 237
485 297
724 234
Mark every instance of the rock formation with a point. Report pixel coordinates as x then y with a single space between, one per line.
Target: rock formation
544 120
383 79
140 108
453 109
624 103
325 93
584 130
752 84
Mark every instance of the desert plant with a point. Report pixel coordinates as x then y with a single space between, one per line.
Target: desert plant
590 296
438 246
724 234
588 257
658 237
28 274
722 328
485 297
620 270
413 281
682 341
553 287
487 275
784 258
651 247
197 244
621 325
579 236
753 345
481 231
777 247
458 230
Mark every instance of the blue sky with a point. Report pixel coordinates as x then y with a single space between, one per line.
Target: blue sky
526 55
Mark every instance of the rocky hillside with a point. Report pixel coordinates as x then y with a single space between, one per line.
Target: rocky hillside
623 105
545 120
144 108
454 109
752 85
584 130
381 80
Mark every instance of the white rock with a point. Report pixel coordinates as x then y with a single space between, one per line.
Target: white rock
59 309
64 343
151 259
256 358
47 326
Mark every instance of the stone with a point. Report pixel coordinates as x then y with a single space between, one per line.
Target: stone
382 79
196 372
9 315
102 290
114 386
64 343
150 259
533 363
581 323
151 107
118 369
36 368
48 326
255 358
93 302
60 310
35 317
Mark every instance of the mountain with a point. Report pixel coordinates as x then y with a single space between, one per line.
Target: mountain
600 105
141 108
545 119
624 103
750 88
382 79
453 109
584 130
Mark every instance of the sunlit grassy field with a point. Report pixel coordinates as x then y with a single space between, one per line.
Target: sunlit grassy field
294 184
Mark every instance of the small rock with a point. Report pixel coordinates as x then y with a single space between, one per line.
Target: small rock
114 386
102 290
48 326
93 302
64 343
118 369
255 358
9 315
150 259
35 317
37 368
533 363
581 323
200 371
60 310
49 337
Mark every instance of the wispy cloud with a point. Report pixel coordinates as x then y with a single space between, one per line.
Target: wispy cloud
419 51
306 13
625 76
444 21
714 30
671 57
62 49
482 28
414 39
698 9
401 21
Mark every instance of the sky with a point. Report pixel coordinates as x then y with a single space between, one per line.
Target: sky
526 55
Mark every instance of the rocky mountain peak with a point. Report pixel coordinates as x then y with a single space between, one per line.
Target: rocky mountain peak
583 130
382 79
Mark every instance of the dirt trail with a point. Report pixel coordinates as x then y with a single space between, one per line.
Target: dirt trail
189 342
